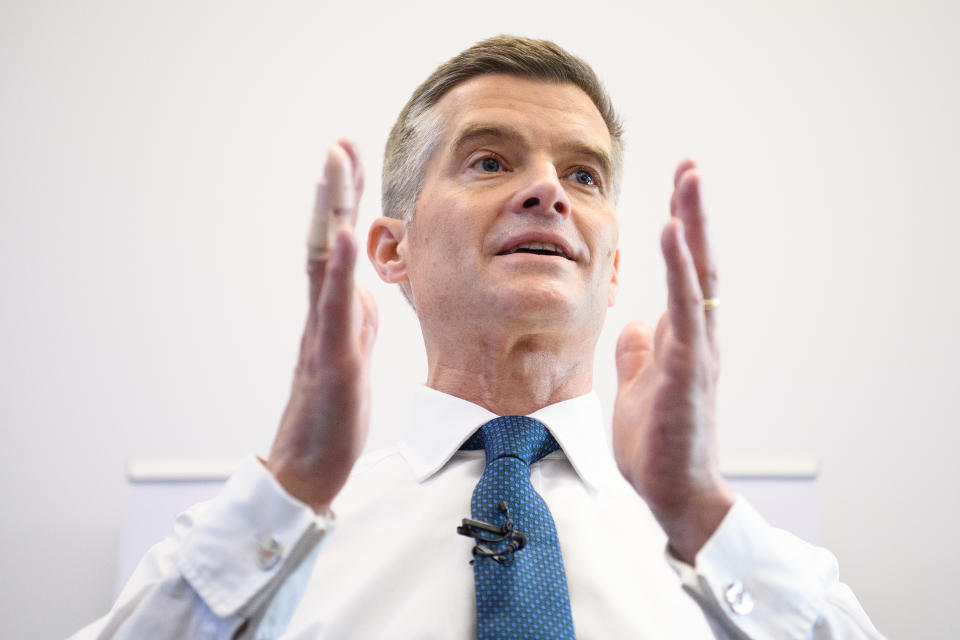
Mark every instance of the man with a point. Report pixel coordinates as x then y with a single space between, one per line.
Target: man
500 182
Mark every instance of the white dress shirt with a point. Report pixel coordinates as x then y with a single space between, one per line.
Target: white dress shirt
251 564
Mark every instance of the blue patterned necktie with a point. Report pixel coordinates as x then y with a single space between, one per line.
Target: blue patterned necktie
521 593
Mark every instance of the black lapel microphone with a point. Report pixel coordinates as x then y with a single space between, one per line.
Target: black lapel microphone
486 535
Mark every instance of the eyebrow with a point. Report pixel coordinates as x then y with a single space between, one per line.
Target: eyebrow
483 131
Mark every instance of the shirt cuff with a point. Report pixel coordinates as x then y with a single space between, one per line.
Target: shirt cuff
754 577
251 535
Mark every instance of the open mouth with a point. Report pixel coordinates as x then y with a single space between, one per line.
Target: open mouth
538 248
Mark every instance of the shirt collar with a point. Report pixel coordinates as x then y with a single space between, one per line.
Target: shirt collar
438 423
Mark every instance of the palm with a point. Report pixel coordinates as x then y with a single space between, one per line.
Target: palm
661 415
663 423
325 424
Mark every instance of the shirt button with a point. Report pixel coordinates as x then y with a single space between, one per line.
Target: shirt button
738 598
269 552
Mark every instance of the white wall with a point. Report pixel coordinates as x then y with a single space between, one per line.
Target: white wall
156 167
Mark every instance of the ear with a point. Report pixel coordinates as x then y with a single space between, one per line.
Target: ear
385 248
614 280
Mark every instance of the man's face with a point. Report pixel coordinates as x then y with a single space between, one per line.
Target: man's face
516 218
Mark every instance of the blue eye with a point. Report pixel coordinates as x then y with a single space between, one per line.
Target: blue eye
584 177
490 164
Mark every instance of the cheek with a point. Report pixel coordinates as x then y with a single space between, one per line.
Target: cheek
605 247
439 246
453 229
611 239
605 236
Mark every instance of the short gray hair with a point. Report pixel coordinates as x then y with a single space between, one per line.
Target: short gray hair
418 129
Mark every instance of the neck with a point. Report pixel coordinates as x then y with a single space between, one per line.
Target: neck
511 375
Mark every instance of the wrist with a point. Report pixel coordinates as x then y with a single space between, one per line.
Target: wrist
302 487
691 524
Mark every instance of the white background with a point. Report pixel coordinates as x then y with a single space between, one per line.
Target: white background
157 162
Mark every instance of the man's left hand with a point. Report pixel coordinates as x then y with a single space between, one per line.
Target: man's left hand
664 417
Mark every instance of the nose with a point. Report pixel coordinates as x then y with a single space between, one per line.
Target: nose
542 193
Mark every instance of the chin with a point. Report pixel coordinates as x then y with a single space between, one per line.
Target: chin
541 301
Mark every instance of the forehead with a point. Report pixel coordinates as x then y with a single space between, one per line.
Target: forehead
543 110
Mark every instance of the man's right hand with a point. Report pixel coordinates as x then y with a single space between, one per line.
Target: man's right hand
325 424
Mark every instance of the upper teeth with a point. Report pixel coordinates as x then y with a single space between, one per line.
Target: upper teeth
540 246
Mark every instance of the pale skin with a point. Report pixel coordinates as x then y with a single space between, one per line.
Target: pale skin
520 161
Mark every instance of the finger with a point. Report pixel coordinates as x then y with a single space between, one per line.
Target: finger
336 301
334 206
359 175
682 167
684 298
316 269
370 323
318 250
634 349
691 211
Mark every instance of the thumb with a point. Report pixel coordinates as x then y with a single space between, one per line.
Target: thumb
634 348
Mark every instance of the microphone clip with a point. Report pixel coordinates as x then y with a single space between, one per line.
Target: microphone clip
487 535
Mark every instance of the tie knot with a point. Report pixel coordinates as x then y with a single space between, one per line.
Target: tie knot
516 436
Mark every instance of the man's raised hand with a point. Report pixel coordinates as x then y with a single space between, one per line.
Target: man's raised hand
325 424
664 417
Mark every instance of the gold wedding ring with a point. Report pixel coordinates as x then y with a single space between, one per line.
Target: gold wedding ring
711 303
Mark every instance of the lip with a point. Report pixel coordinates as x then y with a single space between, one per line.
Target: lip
539 236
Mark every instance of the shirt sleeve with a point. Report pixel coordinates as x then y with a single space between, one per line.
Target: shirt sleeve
233 567
754 581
